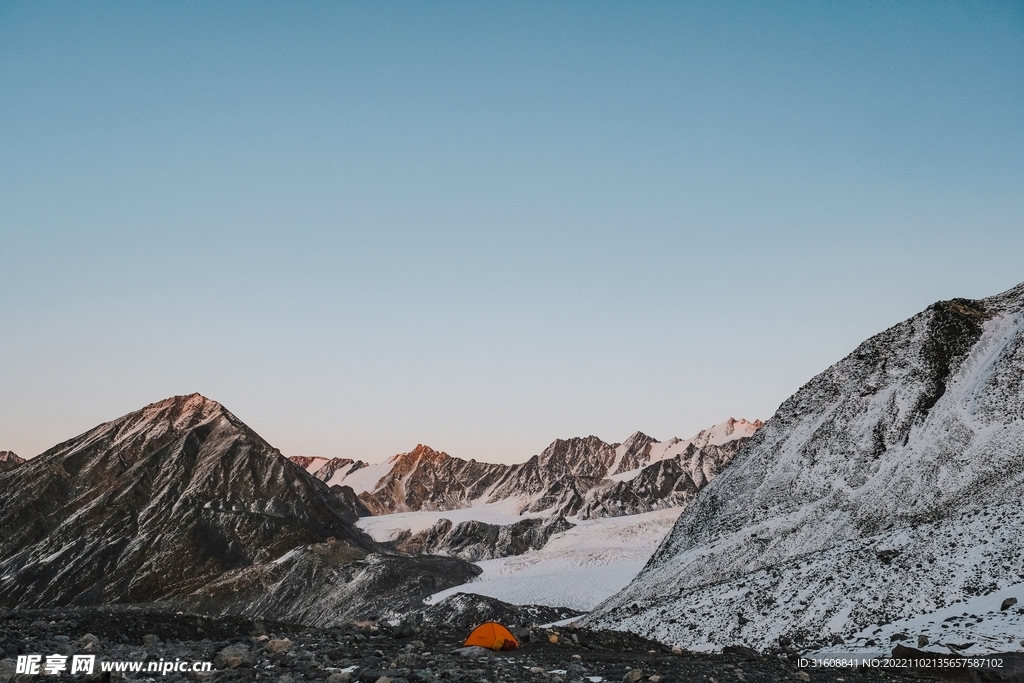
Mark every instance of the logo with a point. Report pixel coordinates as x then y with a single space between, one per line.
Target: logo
55 665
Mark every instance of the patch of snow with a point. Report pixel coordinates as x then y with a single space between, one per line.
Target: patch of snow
287 556
365 478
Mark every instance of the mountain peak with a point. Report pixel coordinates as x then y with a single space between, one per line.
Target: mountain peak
638 437
421 452
175 494
186 404
174 414
9 460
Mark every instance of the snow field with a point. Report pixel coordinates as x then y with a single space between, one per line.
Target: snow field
578 568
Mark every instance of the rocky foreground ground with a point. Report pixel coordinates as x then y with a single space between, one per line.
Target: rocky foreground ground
242 650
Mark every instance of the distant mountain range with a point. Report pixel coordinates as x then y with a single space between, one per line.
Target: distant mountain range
182 505
581 477
881 503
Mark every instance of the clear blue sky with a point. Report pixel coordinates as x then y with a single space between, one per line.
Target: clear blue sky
481 226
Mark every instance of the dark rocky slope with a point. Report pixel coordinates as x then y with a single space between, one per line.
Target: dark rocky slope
174 502
475 541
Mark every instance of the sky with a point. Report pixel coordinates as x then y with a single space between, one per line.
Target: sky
484 226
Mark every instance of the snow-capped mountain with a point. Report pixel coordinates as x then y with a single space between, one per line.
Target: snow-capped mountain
9 460
582 476
183 503
888 486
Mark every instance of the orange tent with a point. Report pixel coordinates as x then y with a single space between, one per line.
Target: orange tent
493 636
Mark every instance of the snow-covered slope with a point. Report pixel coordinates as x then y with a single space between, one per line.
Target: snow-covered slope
993 622
888 486
577 568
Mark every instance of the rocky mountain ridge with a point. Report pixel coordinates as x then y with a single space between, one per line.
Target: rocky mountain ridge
473 540
582 476
887 486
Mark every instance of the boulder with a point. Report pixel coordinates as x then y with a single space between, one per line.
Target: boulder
278 645
89 639
232 657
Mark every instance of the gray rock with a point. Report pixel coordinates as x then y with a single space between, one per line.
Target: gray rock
232 657
633 676
7 669
278 645
89 638
1008 603
473 651
341 677
151 640
922 641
